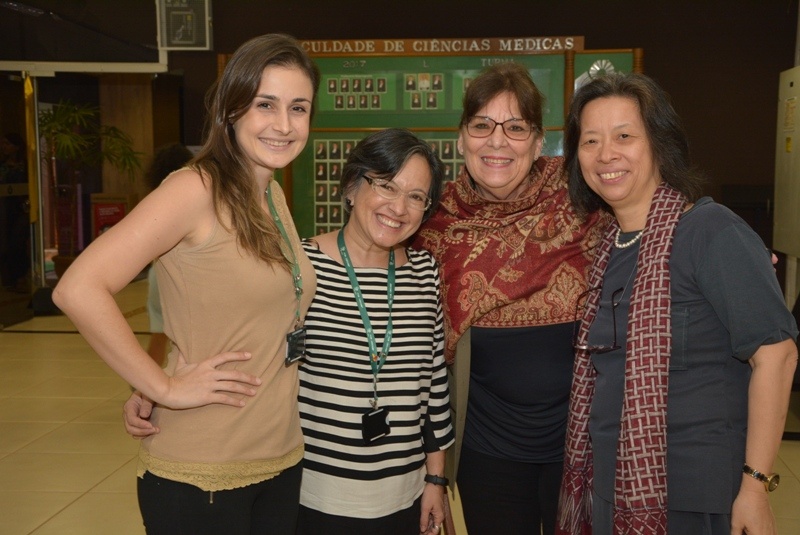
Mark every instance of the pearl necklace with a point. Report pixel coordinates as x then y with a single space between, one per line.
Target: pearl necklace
628 243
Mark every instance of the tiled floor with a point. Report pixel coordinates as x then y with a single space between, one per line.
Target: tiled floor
68 468
66 465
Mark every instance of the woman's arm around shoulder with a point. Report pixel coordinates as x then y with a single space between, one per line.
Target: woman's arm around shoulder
179 210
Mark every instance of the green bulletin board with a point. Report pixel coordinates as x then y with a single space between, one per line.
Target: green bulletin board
416 92
419 85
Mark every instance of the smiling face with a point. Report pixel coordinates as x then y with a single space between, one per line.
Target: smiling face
274 129
616 158
378 223
498 165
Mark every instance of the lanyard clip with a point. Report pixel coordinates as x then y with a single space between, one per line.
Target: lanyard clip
374 400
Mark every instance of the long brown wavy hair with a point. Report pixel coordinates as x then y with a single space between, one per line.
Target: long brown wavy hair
221 160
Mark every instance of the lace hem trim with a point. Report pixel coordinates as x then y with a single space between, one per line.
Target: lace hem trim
214 476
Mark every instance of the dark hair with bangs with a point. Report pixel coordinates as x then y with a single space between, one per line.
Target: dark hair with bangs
668 141
509 77
382 155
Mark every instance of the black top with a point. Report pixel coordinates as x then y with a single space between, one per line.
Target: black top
519 392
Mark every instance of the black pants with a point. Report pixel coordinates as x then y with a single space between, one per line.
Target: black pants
509 497
173 508
405 522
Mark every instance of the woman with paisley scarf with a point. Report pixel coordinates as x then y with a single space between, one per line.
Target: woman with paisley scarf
686 350
514 258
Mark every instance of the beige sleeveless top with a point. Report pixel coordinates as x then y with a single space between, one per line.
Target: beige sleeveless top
218 298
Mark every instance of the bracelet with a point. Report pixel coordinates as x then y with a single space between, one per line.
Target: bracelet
436 480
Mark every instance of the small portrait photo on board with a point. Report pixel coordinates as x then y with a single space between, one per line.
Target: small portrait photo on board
351 101
344 85
332 85
448 171
424 81
322 172
411 82
336 195
356 85
431 102
369 85
348 147
321 230
363 101
338 102
416 101
322 192
447 150
436 83
322 151
336 214
334 175
381 85
334 150
322 214
376 102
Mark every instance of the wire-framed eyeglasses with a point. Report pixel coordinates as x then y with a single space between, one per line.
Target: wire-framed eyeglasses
391 191
616 297
516 129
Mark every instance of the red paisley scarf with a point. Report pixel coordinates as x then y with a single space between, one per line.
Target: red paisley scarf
515 263
640 489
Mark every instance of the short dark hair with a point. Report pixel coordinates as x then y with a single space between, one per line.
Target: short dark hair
382 155
668 141
509 77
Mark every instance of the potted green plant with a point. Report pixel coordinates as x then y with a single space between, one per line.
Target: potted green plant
74 141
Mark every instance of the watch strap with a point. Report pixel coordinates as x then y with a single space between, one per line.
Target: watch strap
752 472
436 480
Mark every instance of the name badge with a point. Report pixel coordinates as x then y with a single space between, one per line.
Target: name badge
375 424
295 345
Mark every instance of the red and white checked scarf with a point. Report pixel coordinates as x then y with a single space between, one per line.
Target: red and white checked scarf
640 488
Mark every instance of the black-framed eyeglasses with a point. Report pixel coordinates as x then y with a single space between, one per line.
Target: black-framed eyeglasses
616 297
391 191
516 129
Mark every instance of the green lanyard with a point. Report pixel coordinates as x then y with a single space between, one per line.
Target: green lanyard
297 277
376 359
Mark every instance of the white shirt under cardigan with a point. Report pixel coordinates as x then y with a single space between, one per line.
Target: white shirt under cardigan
341 475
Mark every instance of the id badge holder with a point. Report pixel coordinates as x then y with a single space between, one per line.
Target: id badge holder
375 424
295 345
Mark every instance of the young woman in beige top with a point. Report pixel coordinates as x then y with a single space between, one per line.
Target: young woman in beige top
232 276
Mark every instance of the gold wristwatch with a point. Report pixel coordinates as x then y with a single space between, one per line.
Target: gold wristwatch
770 481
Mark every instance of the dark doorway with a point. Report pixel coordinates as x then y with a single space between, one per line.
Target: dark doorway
15 205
